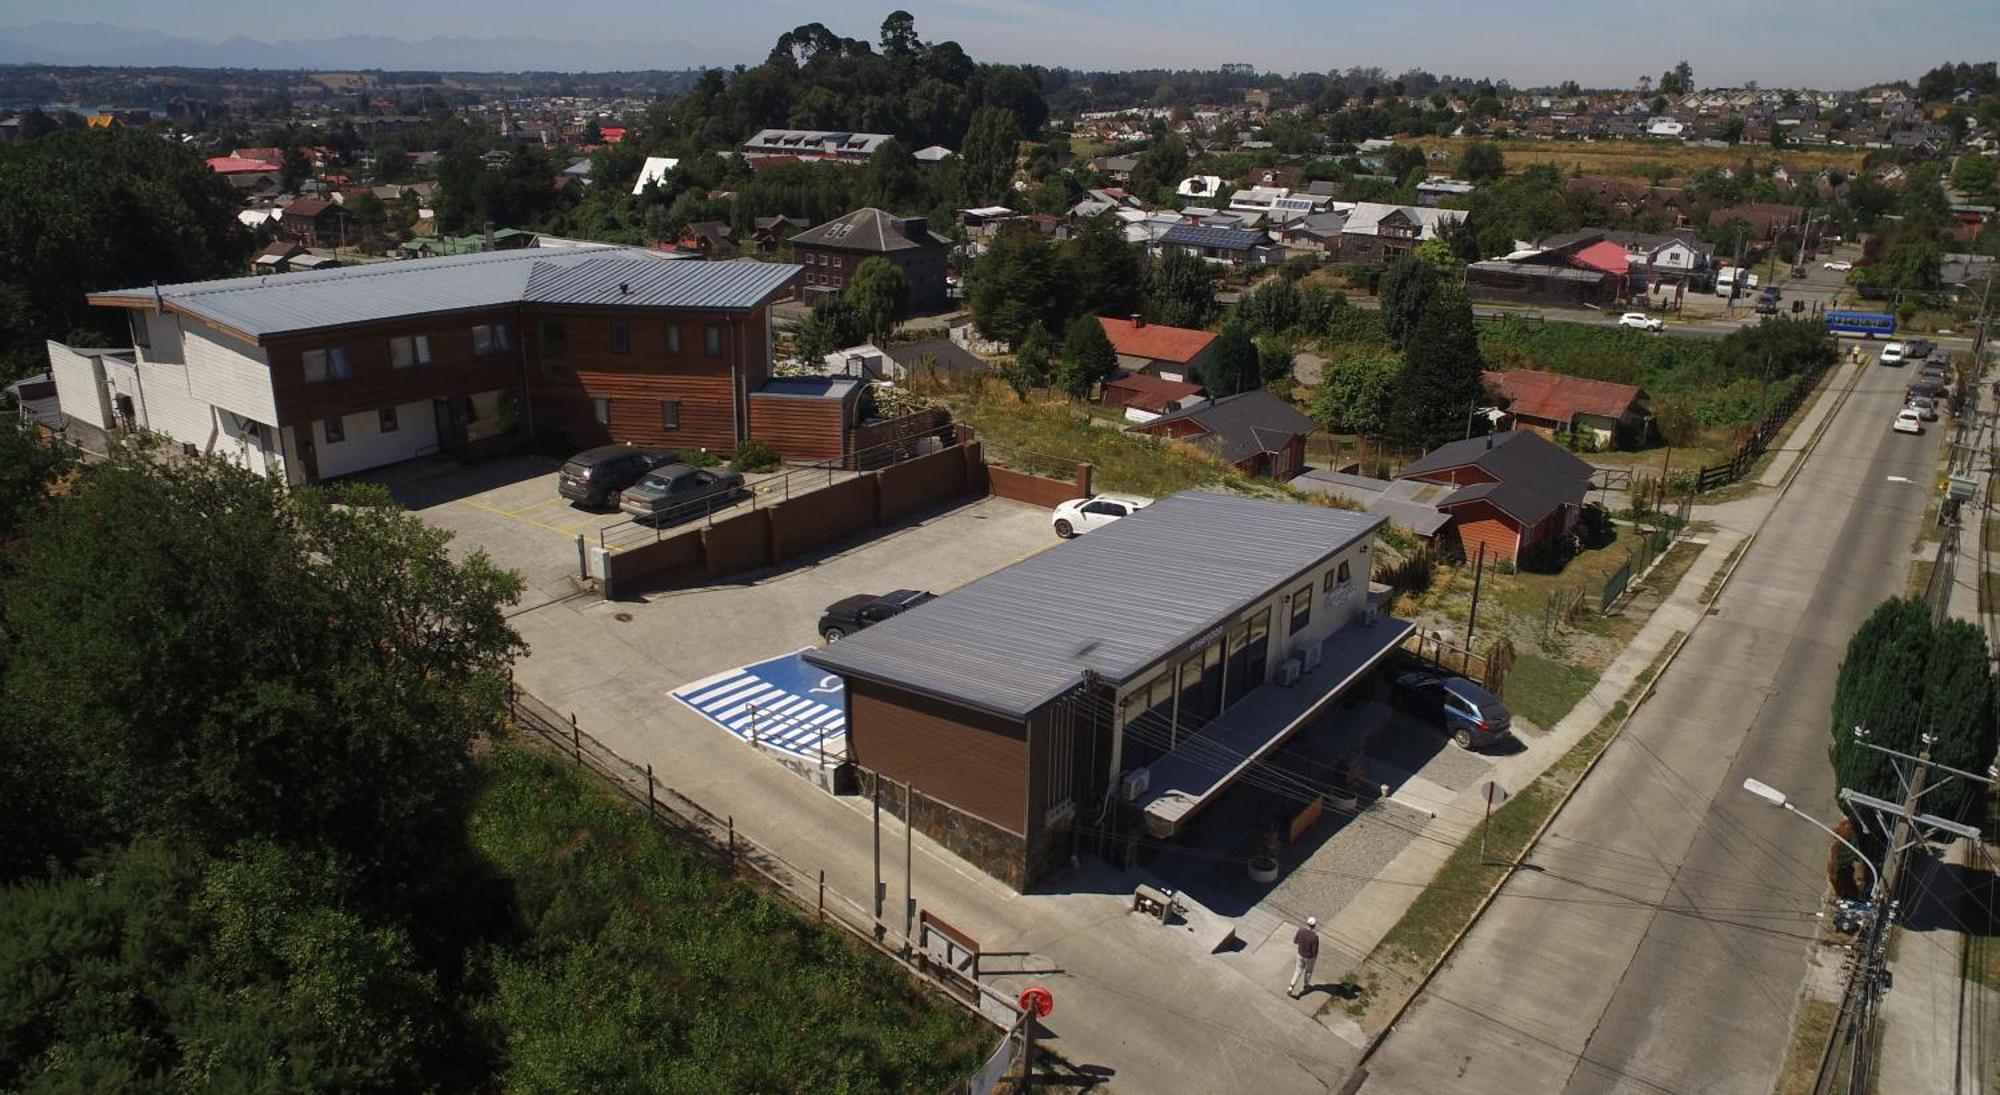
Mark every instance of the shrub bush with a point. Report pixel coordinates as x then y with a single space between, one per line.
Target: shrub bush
700 458
754 455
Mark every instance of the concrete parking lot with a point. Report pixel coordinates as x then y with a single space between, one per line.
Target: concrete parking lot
509 508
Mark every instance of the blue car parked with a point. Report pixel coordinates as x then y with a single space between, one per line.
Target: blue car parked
1474 717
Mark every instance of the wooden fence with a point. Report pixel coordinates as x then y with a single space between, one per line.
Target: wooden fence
717 839
1760 436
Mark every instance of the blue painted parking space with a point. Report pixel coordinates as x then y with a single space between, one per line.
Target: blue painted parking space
784 703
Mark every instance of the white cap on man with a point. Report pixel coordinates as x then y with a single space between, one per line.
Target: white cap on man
1312 921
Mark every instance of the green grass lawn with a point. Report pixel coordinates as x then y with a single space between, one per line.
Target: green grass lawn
1543 691
636 965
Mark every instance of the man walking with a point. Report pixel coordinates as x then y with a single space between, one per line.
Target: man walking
1306 940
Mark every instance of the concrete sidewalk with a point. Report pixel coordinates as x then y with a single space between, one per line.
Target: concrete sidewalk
1362 925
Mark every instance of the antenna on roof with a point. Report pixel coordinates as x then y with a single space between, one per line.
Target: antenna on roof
625 288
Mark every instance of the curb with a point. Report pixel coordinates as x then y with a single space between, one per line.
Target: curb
1358 1074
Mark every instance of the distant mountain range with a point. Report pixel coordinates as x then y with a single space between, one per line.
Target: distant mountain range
53 43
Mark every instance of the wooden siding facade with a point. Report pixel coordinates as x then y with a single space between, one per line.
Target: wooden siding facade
802 429
971 761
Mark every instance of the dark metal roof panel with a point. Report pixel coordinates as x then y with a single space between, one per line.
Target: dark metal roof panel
1016 639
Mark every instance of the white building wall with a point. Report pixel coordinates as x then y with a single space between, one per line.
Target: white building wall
366 446
228 373
77 387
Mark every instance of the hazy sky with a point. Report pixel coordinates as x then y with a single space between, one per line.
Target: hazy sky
1822 43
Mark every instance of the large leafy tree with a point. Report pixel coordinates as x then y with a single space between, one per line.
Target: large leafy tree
160 966
89 210
246 662
1356 393
990 149
1232 364
833 324
1181 289
1441 383
1904 677
1033 360
1022 278
1482 162
1088 358
1406 291
880 292
27 468
892 181
1110 276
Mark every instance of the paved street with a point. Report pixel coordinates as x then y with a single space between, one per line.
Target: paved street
1657 939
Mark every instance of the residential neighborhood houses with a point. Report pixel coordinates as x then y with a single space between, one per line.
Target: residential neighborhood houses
997 564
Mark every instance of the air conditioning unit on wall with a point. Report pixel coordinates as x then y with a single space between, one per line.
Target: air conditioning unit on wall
1134 783
1308 655
1288 672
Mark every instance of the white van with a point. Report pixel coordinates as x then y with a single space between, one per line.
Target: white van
1725 280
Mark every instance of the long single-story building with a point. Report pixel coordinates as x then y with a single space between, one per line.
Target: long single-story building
1076 692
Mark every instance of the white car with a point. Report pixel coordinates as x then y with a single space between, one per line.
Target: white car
1895 353
1838 264
1909 420
1080 515
1640 321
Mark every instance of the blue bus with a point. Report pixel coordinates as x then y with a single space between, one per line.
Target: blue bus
1863 324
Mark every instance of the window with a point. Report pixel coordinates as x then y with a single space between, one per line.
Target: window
328 363
142 335
1302 607
334 429
1336 577
713 340
555 340
491 414
388 419
489 339
600 410
670 414
837 262
409 351
1062 760
621 337
673 338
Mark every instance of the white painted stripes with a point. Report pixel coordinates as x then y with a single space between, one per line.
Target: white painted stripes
746 704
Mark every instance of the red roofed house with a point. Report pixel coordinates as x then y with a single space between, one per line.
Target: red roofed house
1170 353
1603 255
1146 397
1515 493
1612 414
612 134
233 165
268 155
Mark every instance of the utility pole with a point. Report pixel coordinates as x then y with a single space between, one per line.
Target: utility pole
1472 617
1870 978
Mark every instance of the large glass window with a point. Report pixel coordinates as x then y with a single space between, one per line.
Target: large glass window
555 340
1302 607
673 338
712 341
489 338
621 337
491 414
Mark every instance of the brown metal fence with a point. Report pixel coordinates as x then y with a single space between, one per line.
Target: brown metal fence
716 838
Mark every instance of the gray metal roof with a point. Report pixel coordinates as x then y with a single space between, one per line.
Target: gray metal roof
273 305
808 387
1116 601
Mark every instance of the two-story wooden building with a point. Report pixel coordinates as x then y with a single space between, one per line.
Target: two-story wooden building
317 375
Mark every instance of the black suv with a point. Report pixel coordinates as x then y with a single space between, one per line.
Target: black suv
593 477
850 614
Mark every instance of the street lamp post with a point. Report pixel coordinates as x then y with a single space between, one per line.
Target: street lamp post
1776 797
